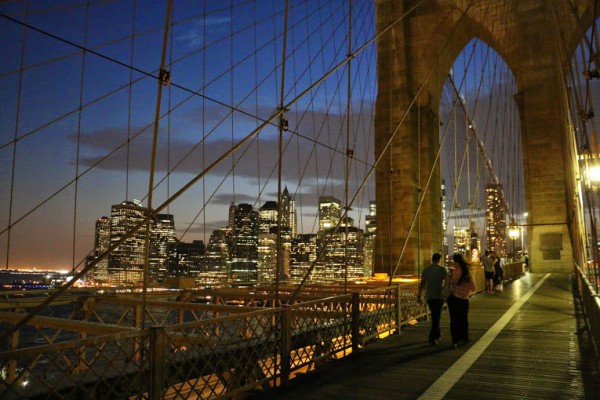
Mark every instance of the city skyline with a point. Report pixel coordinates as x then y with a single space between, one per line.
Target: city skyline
81 106
80 103
246 250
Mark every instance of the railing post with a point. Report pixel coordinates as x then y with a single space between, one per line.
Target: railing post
157 362
398 310
137 323
87 307
355 321
286 345
13 343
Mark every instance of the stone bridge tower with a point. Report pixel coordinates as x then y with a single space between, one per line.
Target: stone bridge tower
418 44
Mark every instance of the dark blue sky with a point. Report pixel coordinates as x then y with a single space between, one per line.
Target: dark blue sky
74 112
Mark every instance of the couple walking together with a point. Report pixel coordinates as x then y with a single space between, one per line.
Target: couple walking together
459 282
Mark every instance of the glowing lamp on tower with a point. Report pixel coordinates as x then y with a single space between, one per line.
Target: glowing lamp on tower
513 232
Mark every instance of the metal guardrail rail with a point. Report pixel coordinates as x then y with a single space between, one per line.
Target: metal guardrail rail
218 352
590 300
196 350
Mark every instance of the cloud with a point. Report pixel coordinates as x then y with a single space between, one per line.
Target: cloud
192 35
316 151
227 198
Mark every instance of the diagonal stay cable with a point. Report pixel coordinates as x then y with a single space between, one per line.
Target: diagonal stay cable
151 213
480 143
123 64
380 157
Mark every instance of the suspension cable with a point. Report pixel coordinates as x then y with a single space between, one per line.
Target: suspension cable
163 81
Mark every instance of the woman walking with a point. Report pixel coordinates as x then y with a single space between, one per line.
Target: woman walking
461 286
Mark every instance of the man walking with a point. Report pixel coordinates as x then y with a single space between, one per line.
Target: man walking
433 278
488 262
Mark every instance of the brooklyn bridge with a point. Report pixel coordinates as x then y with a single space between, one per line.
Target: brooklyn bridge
243 195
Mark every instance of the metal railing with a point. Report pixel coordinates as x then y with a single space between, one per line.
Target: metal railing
591 305
210 358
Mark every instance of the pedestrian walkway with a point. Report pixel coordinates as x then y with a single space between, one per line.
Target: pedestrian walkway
528 342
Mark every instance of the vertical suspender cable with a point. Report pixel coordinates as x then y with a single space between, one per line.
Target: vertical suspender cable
348 149
231 83
420 193
79 121
258 155
164 78
130 97
282 124
204 122
16 137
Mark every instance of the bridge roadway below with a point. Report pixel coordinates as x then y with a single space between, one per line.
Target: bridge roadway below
528 342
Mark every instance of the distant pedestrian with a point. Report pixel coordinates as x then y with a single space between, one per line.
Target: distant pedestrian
461 283
498 274
488 261
433 279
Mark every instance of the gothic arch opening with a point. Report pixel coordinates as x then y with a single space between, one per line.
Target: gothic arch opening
481 155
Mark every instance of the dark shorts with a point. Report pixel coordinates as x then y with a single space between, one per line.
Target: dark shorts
489 275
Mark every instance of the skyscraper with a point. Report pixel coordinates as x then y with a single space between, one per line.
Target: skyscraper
267 256
188 259
462 238
267 241
369 237
303 254
343 254
216 265
231 215
101 244
288 212
162 246
269 221
268 217
244 260
444 219
495 216
126 262
329 212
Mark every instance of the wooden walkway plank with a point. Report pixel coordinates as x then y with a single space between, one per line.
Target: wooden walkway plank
539 349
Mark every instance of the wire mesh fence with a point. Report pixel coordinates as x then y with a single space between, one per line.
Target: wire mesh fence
210 358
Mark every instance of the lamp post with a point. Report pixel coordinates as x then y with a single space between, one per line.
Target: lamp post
513 234
525 215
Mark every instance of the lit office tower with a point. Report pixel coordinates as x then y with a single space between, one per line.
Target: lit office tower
267 241
217 259
474 243
495 218
101 244
444 219
244 263
162 246
267 256
231 216
462 239
288 212
371 218
267 237
343 254
126 262
268 217
329 212
187 259
303 254
370 231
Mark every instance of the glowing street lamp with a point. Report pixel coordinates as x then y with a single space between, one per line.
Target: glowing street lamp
593 174
513 234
